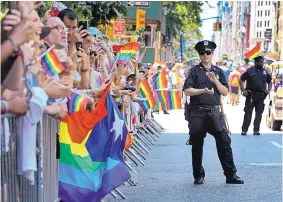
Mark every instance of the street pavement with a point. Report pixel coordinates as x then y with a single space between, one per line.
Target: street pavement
167 175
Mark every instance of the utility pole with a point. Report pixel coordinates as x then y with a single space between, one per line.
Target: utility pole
181 46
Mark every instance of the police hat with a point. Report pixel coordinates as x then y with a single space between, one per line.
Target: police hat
259 59
205 46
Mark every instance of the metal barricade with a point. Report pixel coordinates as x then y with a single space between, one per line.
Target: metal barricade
16 188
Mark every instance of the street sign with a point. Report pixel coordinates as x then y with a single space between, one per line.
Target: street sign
141 4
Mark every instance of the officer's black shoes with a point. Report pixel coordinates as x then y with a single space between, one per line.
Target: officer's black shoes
256 133
199 180
165 112
244 133
234 180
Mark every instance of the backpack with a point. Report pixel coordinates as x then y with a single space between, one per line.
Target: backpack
235 81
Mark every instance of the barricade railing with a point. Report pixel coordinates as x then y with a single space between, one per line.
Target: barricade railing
16 188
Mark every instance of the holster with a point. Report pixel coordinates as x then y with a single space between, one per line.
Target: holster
187 112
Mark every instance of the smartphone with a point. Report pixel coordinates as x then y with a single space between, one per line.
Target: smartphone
62 55
12 5
79 45
84 24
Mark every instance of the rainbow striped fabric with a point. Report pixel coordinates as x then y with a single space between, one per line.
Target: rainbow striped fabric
126 53
132 66
159 80
91 160
174 100
51 64
254 52
77 102
145 91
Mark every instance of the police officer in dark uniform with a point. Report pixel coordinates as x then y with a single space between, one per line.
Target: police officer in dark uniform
257 78
205 84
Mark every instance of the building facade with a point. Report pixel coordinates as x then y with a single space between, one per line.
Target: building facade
277 37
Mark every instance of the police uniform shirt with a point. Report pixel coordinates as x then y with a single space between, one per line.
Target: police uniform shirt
256 79
198 79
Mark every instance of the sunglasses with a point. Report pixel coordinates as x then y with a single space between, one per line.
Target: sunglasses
205 52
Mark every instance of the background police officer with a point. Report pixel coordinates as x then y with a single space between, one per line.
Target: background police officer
205 84
255 93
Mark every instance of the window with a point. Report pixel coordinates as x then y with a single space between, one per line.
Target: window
257 13
264 23
261 3
260 23
265 12
256 34
268 12
260 13
267 23
258 3
259 34
269 3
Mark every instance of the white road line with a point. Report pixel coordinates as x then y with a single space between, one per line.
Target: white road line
266 164
276 144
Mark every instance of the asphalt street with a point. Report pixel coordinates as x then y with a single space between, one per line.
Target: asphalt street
167 175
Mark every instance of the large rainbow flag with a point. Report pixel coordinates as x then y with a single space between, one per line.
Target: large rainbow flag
145 91
174 99
162 97
254 52
51 64
159 80
91 160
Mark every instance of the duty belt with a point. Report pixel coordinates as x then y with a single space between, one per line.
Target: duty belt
209 108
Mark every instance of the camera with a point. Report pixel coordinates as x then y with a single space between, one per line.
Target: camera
92 52
129 87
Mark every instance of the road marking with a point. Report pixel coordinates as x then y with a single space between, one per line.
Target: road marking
276 144
266 164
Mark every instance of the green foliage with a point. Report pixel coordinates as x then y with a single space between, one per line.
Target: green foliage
98 12
183 17
190 51
4 5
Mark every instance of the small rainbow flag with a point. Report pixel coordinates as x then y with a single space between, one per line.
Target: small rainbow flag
77 102
174 100
126 53
159 80
51 65
254 52
132 66
225 57
145 91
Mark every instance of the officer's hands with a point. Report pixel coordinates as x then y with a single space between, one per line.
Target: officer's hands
245 93
211 76
211 92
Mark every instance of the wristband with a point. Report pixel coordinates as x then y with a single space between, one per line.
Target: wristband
16 47
5 103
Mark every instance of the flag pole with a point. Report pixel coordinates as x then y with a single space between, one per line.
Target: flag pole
47 51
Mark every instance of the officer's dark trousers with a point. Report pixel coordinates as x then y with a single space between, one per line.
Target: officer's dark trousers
253 101
201 122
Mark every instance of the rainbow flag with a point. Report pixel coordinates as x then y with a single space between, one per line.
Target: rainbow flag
159 80
174 100
77 102
132 66
163 99
225 57
126 53
145 91
51 65
91 162
254 52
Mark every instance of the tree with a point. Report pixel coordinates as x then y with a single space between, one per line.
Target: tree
98 12
183 17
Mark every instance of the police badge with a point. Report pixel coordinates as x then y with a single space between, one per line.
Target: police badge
205 43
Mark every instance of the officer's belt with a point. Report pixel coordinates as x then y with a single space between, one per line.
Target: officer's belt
255 92
205 107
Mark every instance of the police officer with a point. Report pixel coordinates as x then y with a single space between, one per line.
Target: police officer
205 84
255 94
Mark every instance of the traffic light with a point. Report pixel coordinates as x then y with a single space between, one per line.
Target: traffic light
140 19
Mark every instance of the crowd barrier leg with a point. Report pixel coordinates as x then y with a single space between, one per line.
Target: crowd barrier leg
149 133
120 193
147 138
138 142
138 151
